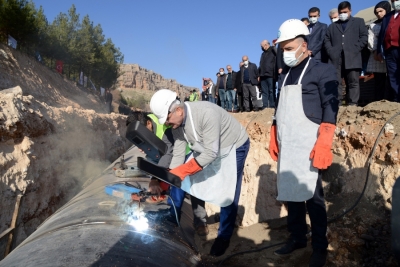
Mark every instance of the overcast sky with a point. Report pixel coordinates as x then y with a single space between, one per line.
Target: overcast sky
186 39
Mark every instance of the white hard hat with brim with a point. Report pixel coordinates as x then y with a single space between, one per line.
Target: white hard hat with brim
160 103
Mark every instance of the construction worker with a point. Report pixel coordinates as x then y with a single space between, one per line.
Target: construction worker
220 145
156 187
301 138
193 96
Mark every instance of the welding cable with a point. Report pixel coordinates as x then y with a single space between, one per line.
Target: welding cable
368 163
179 225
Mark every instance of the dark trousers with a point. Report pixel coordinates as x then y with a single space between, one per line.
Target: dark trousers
212 99
249 90
222 98
239 97
228 213
268 92
392 56
352 80
296 219
380 85
198 206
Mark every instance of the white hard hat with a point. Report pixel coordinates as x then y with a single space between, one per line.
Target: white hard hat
290 29
160 103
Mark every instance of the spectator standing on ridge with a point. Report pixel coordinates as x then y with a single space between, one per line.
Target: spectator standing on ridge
316 38
306 21
212 97
231 89
333 15
239 91
376 64
221 85
344 41
109 98
389 47
204 96
266 71
249 80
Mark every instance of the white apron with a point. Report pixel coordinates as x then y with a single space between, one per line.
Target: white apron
297 178
216 183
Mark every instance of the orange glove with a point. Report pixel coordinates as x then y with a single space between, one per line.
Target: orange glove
189 168
163 187
321 152
273 144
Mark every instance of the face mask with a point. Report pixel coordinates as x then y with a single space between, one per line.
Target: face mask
343 16
246 62
313 20
334 20
396 5
221 73
289 57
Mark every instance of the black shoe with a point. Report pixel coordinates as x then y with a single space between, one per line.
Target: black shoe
318 258
289 247
247 110
219 247
255 109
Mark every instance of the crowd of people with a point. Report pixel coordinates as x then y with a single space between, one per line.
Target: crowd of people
354 49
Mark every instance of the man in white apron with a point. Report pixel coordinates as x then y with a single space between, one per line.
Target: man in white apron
220 145
301 139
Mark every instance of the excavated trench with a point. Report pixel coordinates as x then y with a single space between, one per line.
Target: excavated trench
50 147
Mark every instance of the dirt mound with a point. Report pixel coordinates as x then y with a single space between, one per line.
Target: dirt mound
361 237
44 84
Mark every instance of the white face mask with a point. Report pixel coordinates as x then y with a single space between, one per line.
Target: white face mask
289 57
334 20
343 16
396 5
313 20
246 62
221 73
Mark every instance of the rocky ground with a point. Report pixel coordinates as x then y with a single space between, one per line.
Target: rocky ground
55 135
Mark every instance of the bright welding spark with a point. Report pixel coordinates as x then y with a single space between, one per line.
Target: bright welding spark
138 221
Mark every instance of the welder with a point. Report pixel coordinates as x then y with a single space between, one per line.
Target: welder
220 145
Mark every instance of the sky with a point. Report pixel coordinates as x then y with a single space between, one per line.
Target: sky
187 40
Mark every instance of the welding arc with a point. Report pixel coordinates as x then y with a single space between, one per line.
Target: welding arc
368 163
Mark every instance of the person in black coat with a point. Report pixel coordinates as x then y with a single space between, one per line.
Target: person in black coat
266 71
344 41
249 80
239 91
317 34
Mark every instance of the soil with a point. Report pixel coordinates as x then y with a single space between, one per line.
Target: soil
55 136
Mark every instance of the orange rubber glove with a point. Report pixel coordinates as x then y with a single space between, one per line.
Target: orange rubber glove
273 144
321 152
189 168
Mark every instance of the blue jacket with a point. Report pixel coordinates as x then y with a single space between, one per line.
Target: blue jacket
320 92
316 39
382 33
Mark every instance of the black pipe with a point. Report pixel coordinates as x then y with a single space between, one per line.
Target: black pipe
96 229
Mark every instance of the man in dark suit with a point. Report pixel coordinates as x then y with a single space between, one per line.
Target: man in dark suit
389 47
249 79
317 34
266 70
344 41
